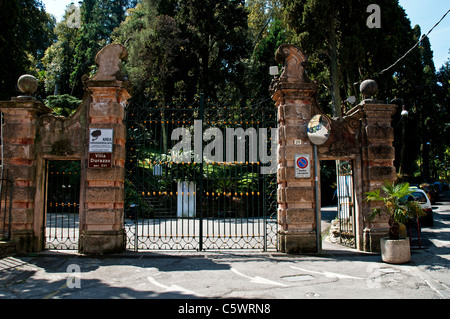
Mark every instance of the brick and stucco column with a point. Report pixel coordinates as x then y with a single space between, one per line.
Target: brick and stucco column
20 138
295 100
378 157
29 139
103 195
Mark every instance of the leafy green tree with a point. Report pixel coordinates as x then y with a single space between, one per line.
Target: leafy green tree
64 105
186 47
257 74
98 20
27 31
405 84
317 25
343 50
155 45
267 31
58 62
443 97
218 42
443 93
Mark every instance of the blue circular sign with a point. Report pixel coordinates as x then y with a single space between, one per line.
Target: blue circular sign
302 162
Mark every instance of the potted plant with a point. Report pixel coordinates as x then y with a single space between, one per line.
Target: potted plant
397 206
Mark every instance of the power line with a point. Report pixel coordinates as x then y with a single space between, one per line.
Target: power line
415 45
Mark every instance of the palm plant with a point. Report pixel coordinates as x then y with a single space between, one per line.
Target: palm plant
396 205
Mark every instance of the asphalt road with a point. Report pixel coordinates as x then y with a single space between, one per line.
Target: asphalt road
191 277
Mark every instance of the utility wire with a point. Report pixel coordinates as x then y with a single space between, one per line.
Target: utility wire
409 51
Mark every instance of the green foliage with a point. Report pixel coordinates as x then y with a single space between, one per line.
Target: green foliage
395 204
27 30
258 77
343 52
68 171
98 20
223 48
64 105
442 150
58 60
155 44
181 48
72 55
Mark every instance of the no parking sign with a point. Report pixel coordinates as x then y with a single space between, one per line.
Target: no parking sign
302 166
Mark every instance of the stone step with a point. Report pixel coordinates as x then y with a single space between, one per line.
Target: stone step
7 248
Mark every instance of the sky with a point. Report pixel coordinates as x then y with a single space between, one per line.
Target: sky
57 7
424 13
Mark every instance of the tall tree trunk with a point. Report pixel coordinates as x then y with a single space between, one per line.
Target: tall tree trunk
334 73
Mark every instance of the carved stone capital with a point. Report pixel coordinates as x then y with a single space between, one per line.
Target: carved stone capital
109 61
294 61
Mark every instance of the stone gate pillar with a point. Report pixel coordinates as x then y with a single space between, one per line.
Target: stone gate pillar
20 117
102 191
31 135
295 100
378 157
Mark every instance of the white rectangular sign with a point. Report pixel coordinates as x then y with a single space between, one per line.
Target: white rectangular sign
302 166
101 140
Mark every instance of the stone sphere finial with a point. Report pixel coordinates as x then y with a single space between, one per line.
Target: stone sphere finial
368 88
27 84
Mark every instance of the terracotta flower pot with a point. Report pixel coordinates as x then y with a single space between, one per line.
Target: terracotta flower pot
395 251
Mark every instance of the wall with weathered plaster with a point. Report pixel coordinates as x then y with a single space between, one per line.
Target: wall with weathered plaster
363 135
33 135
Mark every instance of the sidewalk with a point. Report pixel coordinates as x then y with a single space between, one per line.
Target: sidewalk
338 273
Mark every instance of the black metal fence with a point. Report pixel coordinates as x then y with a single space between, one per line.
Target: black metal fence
199 175
6 197
62 205
6 193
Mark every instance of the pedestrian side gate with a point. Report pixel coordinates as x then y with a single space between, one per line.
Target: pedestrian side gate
191 184
62 205
346 203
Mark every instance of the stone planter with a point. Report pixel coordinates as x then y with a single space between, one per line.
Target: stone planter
395 251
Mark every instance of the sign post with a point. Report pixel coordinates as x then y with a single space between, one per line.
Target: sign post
319 128
100 148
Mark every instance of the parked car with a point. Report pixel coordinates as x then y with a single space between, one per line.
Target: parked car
420 196
431 191
438 186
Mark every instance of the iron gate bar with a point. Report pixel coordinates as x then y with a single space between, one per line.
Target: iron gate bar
62 205
346 195
200 242
224 216
6 192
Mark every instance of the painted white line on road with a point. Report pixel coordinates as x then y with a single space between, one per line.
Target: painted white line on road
440 243
172 288
328 274
258 280
438 287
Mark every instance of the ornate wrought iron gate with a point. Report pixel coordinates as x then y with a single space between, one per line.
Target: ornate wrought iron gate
62 205
179 198
346 207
